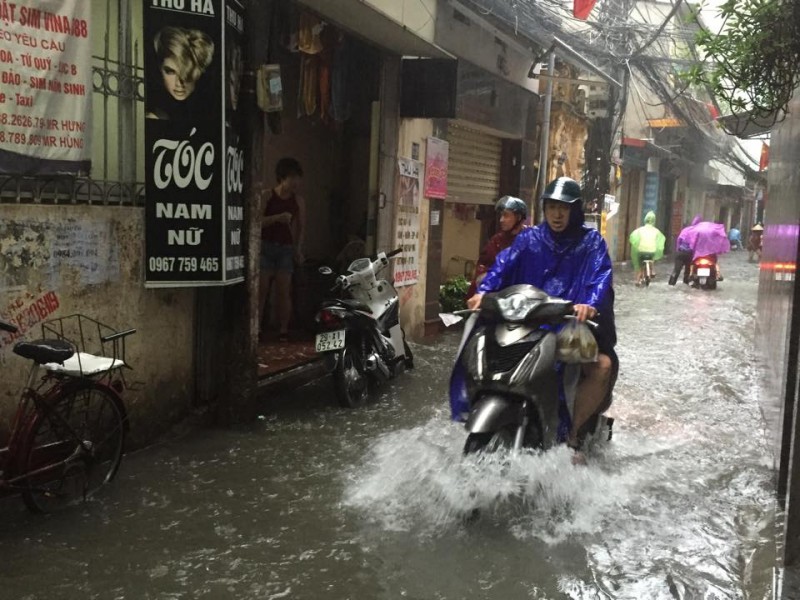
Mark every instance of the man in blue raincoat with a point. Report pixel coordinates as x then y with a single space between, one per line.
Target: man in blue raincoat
568 260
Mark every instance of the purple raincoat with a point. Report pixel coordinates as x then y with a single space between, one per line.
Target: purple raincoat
708 238
682 243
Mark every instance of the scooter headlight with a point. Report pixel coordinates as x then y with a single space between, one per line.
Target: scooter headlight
516 307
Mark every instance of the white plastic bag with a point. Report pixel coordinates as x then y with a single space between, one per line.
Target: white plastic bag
576 344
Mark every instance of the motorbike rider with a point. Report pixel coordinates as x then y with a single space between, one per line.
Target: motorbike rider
512 213
647 243
683 253
709 240
566 259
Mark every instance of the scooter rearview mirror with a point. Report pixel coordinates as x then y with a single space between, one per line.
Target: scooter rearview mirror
325 270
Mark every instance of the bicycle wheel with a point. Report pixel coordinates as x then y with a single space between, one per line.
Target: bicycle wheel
72 449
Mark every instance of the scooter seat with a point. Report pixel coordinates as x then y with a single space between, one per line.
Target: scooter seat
351 304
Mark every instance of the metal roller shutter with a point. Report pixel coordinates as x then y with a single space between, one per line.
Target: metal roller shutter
474 166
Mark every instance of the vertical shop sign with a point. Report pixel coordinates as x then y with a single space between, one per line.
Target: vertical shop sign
194 159
234 154
406 266
45 86
436 159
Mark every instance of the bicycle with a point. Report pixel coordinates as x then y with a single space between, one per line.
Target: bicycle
68 434
646 269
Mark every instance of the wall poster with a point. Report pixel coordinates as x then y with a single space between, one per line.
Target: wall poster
436 159
45 87
406 265
194 157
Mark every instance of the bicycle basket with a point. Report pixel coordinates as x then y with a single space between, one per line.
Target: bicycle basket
100 348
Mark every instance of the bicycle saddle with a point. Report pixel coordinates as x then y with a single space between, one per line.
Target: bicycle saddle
45 351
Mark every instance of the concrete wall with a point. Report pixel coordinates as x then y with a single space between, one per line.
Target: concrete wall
60 260
412 297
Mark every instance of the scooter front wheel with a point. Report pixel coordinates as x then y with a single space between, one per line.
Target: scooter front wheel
351 379
495 441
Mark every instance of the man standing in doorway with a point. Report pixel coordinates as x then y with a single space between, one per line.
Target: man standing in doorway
282 230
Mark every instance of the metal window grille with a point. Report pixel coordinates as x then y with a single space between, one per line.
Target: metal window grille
117 172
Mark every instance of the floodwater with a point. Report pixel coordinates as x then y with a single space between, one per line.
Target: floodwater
316 502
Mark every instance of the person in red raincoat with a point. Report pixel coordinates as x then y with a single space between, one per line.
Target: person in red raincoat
512 213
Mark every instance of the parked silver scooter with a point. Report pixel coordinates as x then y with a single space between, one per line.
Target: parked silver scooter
360 331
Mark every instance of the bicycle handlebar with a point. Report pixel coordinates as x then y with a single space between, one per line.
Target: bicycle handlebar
6 326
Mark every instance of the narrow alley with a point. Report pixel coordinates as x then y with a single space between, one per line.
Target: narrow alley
318 502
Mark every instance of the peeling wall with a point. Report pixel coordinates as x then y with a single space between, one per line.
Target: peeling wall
60 260
412 297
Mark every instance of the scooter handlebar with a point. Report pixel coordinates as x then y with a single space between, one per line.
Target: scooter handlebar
394 253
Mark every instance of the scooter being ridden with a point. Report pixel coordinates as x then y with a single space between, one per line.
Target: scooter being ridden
360 332
704 273
508 384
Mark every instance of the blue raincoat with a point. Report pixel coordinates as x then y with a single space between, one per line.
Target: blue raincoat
573 265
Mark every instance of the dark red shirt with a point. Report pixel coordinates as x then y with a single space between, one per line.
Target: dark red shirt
496 244
280 233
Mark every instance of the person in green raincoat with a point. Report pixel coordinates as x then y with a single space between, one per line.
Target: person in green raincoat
647 243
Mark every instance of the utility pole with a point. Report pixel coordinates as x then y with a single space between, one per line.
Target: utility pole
545 131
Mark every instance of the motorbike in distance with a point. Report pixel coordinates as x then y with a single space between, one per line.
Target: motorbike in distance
704 273
508 381
359 330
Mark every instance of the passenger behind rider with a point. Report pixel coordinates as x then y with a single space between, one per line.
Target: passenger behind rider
647 243
568 260
512 213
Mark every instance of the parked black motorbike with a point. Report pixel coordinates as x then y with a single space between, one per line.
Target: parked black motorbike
360 332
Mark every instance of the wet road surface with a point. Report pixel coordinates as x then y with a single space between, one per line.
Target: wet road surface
316 502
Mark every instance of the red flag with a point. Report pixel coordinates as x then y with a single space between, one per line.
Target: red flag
582 8
764 162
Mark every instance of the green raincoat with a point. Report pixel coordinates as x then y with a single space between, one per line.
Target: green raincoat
647 240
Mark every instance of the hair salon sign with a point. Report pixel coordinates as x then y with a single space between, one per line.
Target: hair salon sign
194 157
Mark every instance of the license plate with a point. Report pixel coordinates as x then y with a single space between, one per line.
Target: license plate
704 272
330 340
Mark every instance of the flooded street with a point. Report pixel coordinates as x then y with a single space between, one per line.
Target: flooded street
316 502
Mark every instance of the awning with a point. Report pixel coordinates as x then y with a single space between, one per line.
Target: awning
745 126
666 123
364 19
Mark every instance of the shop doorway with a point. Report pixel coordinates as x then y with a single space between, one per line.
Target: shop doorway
330 111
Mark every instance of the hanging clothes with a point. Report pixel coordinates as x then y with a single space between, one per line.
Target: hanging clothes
308 32
308 89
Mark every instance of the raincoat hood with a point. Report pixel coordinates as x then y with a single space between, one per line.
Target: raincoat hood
697 219
650 218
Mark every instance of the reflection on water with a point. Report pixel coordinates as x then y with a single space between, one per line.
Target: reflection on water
315 502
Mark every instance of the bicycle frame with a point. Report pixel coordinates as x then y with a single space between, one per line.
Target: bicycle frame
32 402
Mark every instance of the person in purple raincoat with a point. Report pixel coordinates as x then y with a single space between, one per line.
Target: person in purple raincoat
709 240
683 253
568 260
